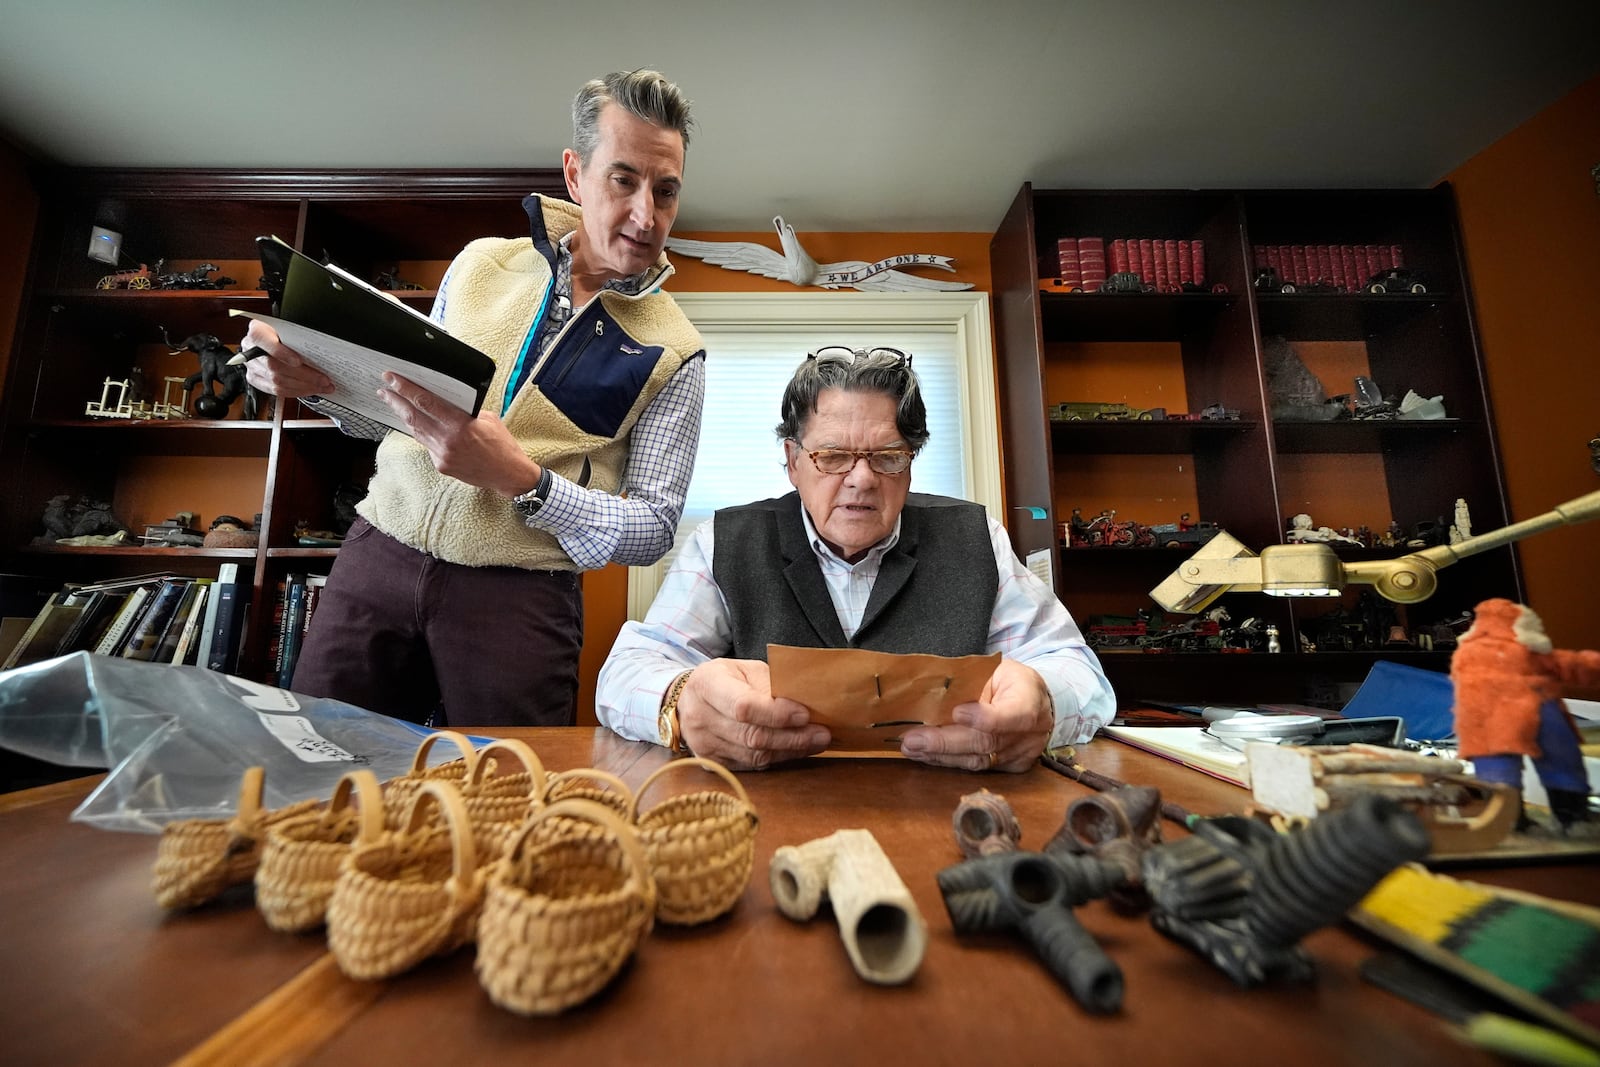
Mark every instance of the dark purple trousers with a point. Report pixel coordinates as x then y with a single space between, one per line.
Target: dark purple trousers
400 632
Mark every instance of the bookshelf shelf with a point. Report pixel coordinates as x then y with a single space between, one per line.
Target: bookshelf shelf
1142 438
1131 317
1363 436
301 552
123 313
196 437
1334 317
126 552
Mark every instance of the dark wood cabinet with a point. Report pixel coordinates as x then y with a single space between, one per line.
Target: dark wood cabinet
1185 351
284 466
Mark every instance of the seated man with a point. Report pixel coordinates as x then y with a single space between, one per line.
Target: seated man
851 559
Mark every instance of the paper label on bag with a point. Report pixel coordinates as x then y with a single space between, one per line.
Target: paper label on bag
263 697
301 738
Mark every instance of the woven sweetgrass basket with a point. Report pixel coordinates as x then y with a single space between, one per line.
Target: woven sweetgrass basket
404 895
505 786
587 783
400 793
197 859
564 909
300 857
700 845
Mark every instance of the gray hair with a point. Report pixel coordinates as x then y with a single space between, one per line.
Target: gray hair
875 370
646 94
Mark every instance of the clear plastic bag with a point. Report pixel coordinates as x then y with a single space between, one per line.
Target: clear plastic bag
178 739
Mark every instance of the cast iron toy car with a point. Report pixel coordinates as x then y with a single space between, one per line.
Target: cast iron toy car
1176 535
1126 282
1267 280
1090 411
1316 285
1396 280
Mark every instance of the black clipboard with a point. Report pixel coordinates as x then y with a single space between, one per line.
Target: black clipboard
334 302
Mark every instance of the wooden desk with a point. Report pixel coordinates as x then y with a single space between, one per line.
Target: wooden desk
93 972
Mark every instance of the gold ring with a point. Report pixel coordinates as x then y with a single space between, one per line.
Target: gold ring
994 757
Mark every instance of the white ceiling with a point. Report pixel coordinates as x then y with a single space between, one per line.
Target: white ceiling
890 115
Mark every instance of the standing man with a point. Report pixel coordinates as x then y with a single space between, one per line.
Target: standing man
458 586
851 559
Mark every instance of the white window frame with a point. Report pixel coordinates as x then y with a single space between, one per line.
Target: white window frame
963 314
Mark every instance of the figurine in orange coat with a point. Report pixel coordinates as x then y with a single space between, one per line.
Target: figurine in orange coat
1508 683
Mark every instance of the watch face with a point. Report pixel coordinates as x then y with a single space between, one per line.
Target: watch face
667 724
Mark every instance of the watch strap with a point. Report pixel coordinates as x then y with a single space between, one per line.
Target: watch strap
529 503
671 728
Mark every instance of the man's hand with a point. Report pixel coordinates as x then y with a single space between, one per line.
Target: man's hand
1005 729
479 451
727 712
279 369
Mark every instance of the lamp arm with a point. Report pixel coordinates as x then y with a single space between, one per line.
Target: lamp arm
1583 509
1412 577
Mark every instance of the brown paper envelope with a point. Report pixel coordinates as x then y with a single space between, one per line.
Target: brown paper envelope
869 699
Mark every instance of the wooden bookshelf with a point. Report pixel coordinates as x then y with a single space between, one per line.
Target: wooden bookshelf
284 466
1185 351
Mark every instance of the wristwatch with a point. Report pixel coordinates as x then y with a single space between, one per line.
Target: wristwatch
529 503
667 722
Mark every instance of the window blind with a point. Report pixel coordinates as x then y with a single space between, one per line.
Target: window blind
740 458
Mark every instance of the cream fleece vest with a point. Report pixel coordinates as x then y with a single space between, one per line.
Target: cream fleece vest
496 288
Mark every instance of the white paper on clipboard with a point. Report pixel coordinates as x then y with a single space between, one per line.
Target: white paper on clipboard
357 372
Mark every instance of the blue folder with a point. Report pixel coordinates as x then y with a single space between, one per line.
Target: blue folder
1424 699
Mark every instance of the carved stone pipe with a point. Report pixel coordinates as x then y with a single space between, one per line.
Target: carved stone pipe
984 825
1034 894
882 929
1118 825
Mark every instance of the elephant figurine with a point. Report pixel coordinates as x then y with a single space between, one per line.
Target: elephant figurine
215 371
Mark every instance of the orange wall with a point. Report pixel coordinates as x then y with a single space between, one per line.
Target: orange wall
605 592
1530 213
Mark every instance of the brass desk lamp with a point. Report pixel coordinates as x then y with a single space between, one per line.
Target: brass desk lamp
1223 564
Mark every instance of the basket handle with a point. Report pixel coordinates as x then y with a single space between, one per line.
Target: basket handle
524 755
364 785
463 855
688 761
595 812
247 814
419 762
603 777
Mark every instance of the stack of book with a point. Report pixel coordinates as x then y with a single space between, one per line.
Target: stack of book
291 615
158 618
1166 264
1344 267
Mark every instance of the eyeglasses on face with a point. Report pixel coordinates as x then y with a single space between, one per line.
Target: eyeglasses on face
844 460
902 359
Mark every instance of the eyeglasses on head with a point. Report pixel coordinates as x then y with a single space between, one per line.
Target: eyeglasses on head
845 352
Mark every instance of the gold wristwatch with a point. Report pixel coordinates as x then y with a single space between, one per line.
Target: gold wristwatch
667 722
